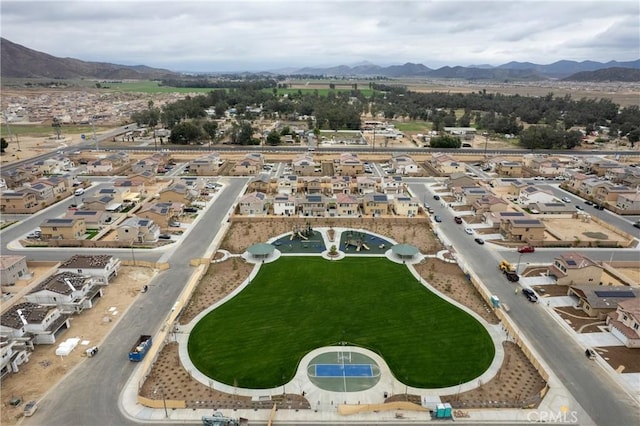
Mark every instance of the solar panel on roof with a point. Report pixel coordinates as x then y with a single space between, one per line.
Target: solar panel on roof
314 198
527 221
571 262
608 293
379 198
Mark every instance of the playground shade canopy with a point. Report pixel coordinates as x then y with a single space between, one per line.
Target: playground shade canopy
404 250
260 250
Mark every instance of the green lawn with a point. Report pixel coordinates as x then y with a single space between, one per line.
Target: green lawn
413 126
297 304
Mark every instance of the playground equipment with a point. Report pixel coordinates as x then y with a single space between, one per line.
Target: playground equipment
356 240
304 233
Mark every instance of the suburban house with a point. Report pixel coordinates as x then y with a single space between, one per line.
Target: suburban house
136 180
496 218
314 205
206 165
101 203
489 203
574 268
64 229
551 208
18 202
460 180
288 184
59 186
609 194
99 166
12 269
305 166
313 185
445 165
93 219
471 194
253 203
262 183
250 165
161 213
71 293
42 191
375 203
522 229
403 205
177 193
390 185
138 230
366 185
588 187
598 301
404 165
284 204
147 165
532 194
13 353
101 267
17 177
348 164
509 168
347 205
624 322
629 202
341 184
575 180
33 323
118 194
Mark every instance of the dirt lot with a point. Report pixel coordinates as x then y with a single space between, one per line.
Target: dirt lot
45 368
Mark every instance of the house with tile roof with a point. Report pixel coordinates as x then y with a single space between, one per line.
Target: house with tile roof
101 267
32 323
138 230
284 204
599 301
376 204
489 203
253 203
347 205
70 292
288 184
624 322
628 202
404 205
314 205
573 268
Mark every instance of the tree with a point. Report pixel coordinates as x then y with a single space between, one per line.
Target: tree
211 129
273 138
185 133
3 144
445 141
634 136
56 126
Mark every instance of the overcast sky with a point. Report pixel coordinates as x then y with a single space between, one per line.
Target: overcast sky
270 34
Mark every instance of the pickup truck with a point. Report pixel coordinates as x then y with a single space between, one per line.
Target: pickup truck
140 349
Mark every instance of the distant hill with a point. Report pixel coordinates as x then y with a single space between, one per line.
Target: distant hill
607 74
17 61
20 62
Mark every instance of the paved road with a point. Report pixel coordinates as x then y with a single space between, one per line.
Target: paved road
601 397
90 394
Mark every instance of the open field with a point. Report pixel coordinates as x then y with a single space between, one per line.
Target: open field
297 304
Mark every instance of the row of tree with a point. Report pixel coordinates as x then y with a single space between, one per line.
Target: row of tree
552 117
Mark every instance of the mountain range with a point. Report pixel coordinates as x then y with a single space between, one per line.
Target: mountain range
17 61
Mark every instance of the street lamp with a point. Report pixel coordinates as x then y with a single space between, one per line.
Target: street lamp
164 401
518 265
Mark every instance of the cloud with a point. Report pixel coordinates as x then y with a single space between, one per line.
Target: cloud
262 34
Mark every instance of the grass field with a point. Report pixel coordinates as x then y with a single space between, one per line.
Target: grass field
413 126
39 130
294 305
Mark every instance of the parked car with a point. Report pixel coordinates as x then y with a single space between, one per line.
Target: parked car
437 218
566 199
598 206
468 231
79 191
190 210
164 236
174 224
30 408
458 220
479 241
637 224
526 249
436 197
589 203
530 294
579 207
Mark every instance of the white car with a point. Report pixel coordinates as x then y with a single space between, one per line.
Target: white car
468 231
566 199
79 192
